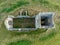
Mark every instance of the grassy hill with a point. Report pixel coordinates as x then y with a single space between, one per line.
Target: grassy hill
40 37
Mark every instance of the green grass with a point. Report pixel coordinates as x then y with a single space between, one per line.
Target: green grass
2 1
14 6
21 42
48 4
38 37
28 22
45 2
49 36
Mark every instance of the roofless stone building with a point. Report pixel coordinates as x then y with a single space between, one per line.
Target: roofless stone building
25 22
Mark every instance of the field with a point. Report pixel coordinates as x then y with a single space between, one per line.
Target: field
38 37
